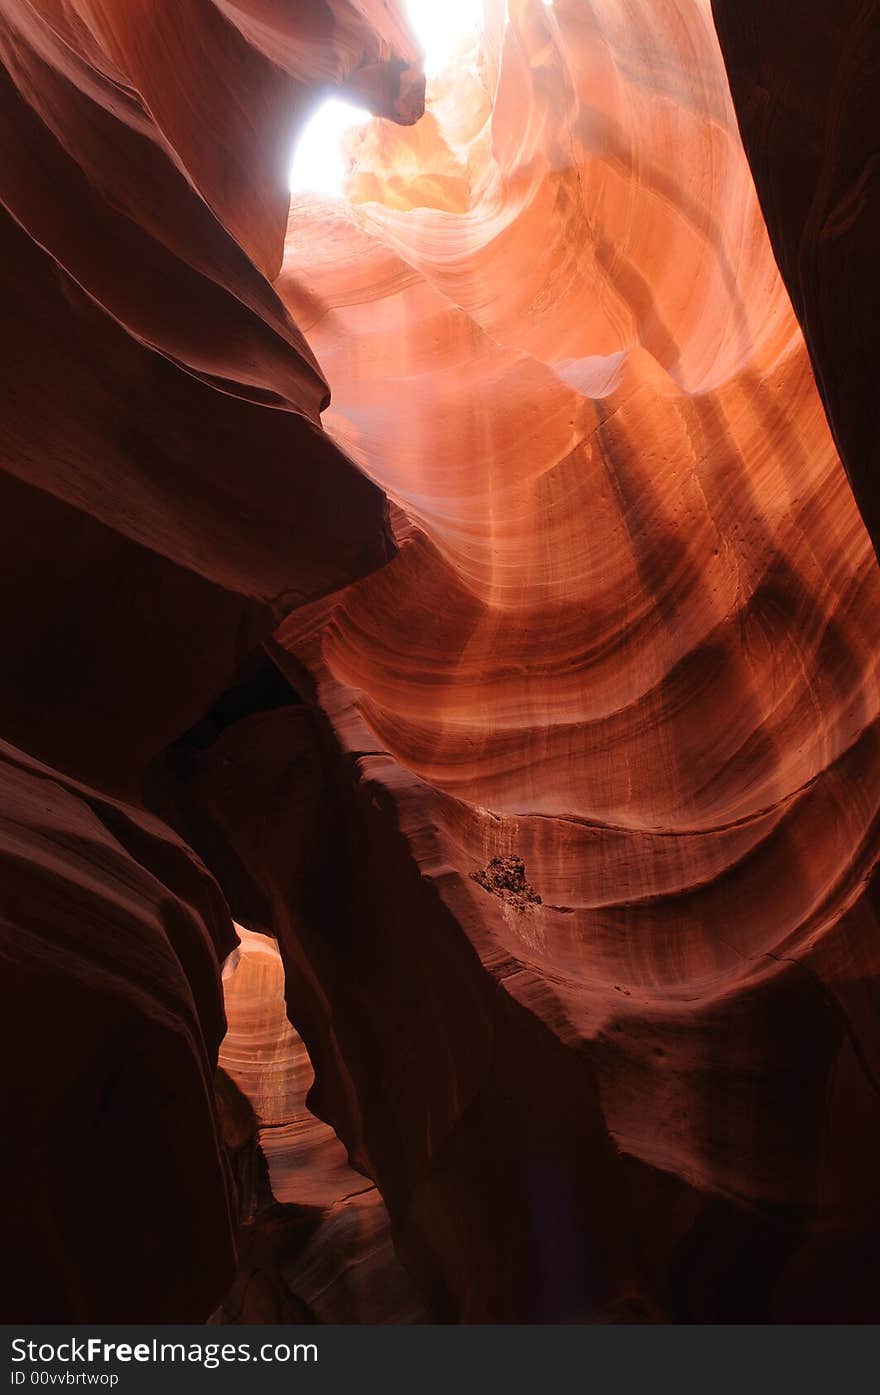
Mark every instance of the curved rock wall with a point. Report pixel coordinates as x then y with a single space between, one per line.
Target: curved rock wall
566 819
143 178
804 84
628 648
167 493
120 1204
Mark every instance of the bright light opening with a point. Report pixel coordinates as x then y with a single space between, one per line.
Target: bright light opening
319 165
441 26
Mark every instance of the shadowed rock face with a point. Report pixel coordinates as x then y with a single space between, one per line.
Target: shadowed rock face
804 84
565 815
167 493
120 1203
144 204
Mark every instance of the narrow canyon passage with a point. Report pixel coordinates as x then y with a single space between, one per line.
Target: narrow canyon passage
315 1245
441 765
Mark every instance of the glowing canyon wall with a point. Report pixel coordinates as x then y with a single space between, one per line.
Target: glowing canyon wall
526 695
630 640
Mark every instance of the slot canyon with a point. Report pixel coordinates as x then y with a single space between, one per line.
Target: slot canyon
440 708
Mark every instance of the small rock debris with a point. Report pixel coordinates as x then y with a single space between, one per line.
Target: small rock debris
506 877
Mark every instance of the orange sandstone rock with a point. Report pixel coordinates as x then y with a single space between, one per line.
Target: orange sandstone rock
630 640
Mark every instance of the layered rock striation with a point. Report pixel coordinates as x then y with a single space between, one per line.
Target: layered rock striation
556 783
629 647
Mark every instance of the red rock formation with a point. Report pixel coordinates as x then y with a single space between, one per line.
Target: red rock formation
630 641
133 209
566 823
804 84
167 495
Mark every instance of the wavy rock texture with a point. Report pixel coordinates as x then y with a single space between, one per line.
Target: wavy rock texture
112 1017
316 1245
629 641
167 495
804 85
566 818
145 201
